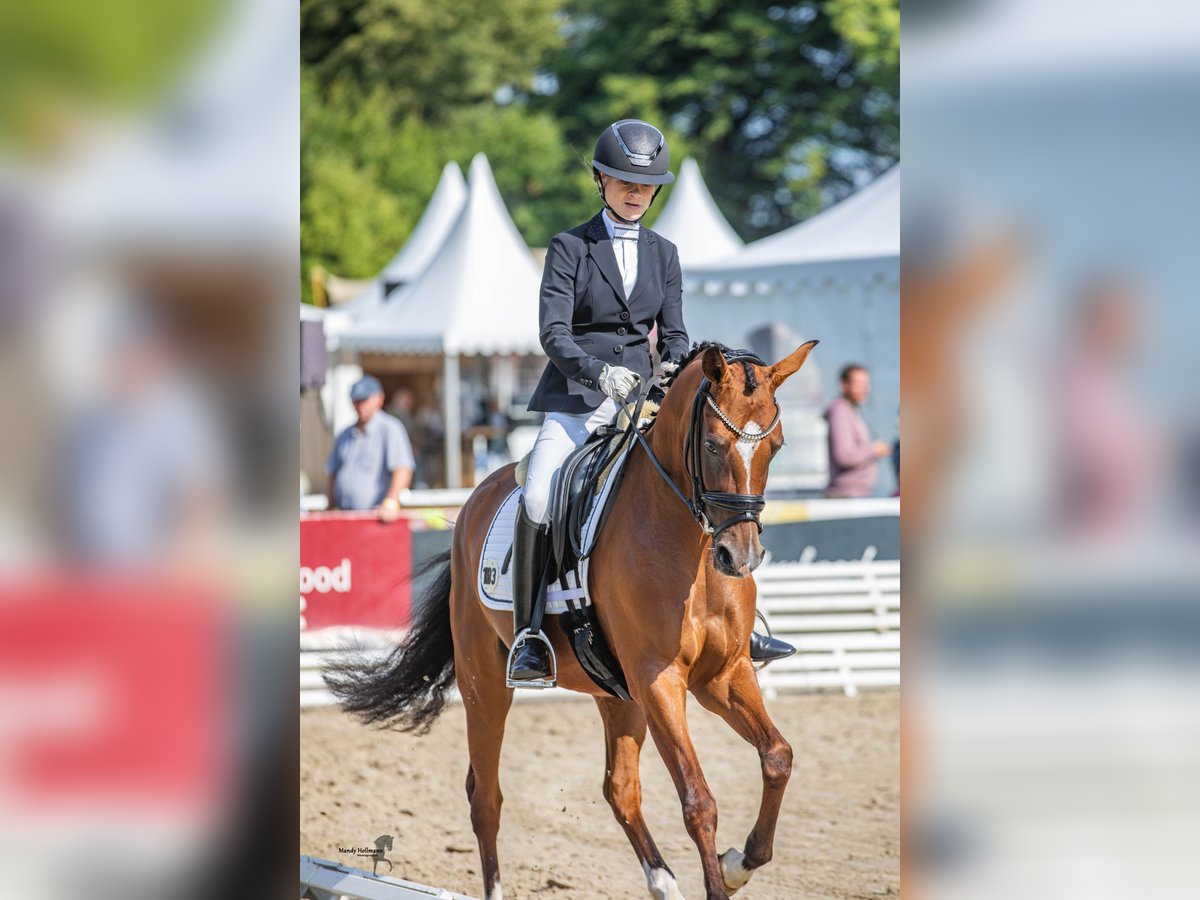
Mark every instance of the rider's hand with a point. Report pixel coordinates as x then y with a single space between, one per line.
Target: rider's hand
617 382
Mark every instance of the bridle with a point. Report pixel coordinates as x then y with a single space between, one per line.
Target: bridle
745 507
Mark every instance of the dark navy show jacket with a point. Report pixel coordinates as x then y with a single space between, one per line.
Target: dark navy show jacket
587 321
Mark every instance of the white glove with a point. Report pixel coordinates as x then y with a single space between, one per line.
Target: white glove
617 382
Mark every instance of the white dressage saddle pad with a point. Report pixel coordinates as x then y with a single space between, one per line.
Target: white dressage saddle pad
495 585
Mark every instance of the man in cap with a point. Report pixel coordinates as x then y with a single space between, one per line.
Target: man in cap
371 463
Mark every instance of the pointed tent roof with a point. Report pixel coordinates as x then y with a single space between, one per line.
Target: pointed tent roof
431 230
692 221
866 225
412 259
477 296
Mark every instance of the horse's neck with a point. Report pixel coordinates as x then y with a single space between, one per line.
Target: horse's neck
652 502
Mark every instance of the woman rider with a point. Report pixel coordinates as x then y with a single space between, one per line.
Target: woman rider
606 283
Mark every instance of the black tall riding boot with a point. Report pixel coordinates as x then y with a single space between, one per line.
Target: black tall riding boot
531 548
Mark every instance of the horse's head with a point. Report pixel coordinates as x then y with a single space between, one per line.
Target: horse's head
734 433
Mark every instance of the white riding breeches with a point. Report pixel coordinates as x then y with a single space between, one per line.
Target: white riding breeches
561 433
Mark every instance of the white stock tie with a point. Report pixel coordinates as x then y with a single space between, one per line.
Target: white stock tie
625 248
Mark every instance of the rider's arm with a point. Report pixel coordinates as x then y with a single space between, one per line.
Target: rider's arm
672 334
557 310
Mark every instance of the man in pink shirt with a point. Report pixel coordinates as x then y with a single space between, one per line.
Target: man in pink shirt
852 453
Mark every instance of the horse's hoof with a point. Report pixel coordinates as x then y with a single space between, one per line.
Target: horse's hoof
733 870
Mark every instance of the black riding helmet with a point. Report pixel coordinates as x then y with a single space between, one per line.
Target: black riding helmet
632 150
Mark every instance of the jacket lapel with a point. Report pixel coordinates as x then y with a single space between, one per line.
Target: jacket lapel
601 250
647 262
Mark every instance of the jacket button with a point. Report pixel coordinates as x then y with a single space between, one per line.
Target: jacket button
618 348
624 314
621 330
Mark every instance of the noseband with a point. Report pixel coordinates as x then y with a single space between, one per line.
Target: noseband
745 507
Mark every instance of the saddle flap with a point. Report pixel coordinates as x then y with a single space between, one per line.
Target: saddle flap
568 487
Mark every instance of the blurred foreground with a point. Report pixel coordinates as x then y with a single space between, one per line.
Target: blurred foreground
148 555
1051 523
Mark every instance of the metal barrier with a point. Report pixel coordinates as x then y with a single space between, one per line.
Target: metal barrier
324 880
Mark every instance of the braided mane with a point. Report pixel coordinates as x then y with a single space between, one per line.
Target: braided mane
726 352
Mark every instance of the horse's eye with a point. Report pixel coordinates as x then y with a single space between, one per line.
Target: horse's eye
710 445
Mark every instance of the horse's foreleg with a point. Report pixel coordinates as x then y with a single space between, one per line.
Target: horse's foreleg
665 705
738 700
479 671
624 732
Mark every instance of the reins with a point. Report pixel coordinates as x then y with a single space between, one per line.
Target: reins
745 507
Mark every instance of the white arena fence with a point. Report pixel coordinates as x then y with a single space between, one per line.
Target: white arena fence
843 618
324 880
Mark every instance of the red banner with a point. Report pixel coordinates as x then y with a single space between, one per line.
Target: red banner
354 570
112 691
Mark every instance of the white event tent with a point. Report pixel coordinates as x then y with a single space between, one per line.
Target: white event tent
412 259
212 171
834 277
477 297
431 230
693 223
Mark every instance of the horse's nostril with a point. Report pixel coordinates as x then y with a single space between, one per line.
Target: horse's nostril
724 557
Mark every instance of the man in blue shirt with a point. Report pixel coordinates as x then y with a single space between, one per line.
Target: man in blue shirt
372 461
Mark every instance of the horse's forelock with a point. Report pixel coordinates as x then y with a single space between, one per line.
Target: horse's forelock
751 378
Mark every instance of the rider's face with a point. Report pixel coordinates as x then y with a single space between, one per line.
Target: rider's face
628 199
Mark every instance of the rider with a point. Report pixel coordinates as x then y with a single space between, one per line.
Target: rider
606 283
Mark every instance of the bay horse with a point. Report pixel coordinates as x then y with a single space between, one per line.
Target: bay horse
675 602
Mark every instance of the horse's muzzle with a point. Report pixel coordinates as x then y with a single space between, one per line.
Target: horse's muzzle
737 562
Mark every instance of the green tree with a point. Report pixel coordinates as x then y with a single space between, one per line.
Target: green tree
543 179
785 105
364 179
430 58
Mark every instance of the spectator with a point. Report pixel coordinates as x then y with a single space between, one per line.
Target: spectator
143 479
1110 450
404 408
853 455
372 461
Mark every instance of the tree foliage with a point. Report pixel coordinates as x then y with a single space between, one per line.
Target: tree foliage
786 105
430 58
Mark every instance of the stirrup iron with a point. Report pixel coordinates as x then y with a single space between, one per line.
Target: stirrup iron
538 683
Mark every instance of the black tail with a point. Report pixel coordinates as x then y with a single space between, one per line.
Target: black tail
408 689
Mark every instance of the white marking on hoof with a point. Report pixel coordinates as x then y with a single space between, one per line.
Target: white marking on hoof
497 893
733 870
661 884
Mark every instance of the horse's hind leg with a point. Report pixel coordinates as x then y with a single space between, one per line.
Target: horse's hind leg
738 700
479 671
624 732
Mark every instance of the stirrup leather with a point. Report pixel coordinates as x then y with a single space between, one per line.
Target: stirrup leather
539 683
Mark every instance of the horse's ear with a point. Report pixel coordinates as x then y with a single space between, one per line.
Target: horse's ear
714 366
789 365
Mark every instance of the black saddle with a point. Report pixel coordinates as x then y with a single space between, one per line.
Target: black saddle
574 495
